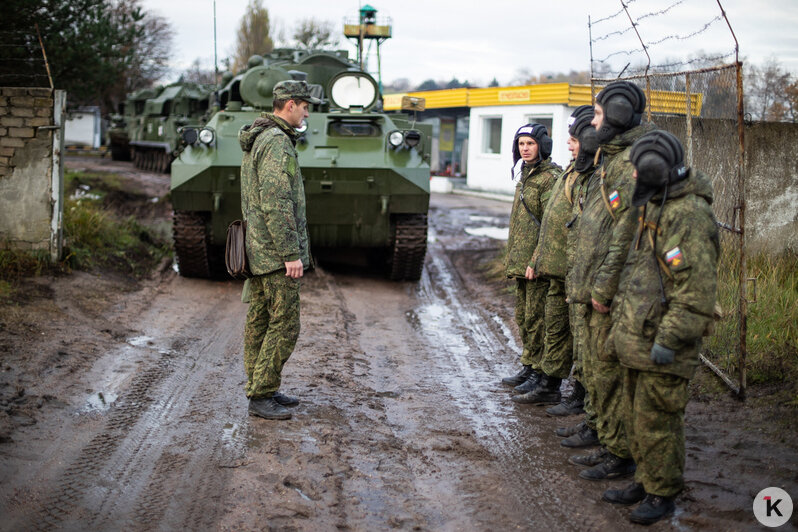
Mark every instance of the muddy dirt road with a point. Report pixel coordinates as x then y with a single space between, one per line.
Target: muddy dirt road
136 419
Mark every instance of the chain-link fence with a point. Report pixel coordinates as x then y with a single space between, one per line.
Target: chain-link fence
704 108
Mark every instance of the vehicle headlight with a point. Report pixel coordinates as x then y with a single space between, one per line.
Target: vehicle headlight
395 138
189 135
302 128
412 138
353 89
206 135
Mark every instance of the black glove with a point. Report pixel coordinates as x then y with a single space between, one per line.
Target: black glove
662 355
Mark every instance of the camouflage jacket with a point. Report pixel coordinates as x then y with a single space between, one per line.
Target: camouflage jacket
686 256
550 257
532 192
606 225
272 195
577 187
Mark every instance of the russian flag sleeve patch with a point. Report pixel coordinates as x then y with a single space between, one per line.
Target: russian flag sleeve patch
615 199
676 259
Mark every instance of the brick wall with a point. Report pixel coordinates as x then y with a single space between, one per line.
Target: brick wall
30 168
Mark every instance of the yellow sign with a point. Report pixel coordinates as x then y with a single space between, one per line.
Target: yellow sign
515 95
446 141
392 101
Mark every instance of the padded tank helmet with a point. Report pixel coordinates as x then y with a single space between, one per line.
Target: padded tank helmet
540 135
623 104
580 128
658 157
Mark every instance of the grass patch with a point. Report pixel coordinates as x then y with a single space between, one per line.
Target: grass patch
95 235
772 322
94 238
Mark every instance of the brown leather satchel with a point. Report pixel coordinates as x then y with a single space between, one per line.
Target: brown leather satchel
235 250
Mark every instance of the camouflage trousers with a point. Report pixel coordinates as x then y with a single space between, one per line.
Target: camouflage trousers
654 406
558 354
605 381
271 331
577 312
530 309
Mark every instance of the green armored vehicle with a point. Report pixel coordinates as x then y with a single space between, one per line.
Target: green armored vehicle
124 124
153 132
366 172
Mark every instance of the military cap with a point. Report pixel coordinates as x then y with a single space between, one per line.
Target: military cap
292 89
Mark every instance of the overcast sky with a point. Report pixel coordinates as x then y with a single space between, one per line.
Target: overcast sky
479 40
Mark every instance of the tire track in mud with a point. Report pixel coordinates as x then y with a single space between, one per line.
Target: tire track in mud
152 453
473 343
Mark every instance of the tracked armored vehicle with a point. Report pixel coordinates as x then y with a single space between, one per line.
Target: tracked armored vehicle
366 172
153 135
146 131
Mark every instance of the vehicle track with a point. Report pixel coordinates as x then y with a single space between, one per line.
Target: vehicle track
161 443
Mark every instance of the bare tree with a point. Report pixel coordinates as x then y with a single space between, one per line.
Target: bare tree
312 34
766 90
196 74
150 52
253 35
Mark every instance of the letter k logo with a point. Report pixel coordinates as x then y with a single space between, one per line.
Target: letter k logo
772 506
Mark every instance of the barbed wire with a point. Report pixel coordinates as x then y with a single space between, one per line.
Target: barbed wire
22 61
620 52
688 36
656 13
611 34
617 13
646 47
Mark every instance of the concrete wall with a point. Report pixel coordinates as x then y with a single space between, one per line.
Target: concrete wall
771 175
491 171
84 127
31 176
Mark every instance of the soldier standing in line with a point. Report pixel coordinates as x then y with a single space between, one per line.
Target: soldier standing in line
663 307
532 145
606 228
273 205
583 144
549 262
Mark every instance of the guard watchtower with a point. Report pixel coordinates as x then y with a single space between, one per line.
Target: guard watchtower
367 27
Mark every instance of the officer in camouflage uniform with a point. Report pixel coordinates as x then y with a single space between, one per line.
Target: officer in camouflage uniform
606 228
273 205
663 307
531 144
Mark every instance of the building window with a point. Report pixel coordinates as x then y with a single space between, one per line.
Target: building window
547 121
491 135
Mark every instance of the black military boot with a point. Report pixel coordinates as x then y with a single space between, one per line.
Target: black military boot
268 408
584 438
519 377
571 406
285 400
631 494
612 467
652 509
564 432
529 384
591 459
547 392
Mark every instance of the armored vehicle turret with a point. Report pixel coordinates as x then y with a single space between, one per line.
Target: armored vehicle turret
366 172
